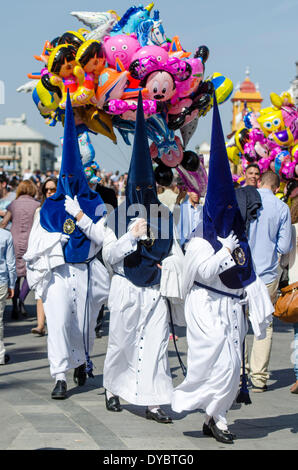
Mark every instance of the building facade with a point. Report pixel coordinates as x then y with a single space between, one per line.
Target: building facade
23 148
246 95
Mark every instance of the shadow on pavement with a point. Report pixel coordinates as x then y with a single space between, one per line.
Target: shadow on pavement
257 427
261 427
282 377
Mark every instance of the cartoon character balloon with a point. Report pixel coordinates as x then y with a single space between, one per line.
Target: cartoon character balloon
122 47
105 67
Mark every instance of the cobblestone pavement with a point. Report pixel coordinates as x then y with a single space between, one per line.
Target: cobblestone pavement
32 420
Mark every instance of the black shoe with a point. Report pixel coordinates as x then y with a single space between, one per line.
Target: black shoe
22 309
6 359
79 375
158 416
221 436
98 333
113 403
206 430
60 390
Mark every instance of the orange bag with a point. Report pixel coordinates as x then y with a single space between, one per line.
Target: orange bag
286 307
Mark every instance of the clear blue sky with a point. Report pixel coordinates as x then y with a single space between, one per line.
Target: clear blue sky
261 34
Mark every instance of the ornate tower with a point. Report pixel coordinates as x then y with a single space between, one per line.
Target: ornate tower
247 94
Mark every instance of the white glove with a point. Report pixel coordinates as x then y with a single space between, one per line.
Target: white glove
72 206
138 227
64 239
231 242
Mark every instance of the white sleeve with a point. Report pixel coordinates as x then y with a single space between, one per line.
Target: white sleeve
260 307
202 261
171 273
95 232
215 265
43 254
115 250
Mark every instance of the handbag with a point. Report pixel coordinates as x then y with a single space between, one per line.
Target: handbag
286 307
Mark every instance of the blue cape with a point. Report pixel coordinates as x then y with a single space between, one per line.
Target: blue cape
72 181
141 267
221 212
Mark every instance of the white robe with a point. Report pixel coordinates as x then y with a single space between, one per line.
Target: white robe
63 288
216 327
136 367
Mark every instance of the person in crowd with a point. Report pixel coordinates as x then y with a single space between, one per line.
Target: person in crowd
8 277
218 279
169 196
115 176
13 184
6 196
108 196
248 198
142 256
63 268
191 216
21 214
48 188
252 175
27 174
38 185
269 237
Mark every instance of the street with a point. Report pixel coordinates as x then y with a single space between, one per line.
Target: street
32 420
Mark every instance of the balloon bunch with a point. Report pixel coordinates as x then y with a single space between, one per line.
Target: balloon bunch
269 139
105 67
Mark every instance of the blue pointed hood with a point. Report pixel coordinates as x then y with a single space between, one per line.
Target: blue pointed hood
140 267
221 212
140 172
72 182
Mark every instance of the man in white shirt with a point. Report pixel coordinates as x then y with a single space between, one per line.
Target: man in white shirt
191 217
269 237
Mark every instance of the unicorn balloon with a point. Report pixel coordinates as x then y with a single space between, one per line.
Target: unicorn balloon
131 19
151 32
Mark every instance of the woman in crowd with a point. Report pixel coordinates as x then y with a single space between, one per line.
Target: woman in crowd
21 214
48 188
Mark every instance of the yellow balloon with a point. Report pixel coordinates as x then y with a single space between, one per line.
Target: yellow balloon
223 87
241 137
271 121
233 155
276 100
287 98
240 179
294 149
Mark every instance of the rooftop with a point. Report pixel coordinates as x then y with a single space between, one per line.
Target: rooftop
16 129
247 90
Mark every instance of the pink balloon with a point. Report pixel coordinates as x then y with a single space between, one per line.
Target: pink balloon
156 51
121 46
186 87
171 158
